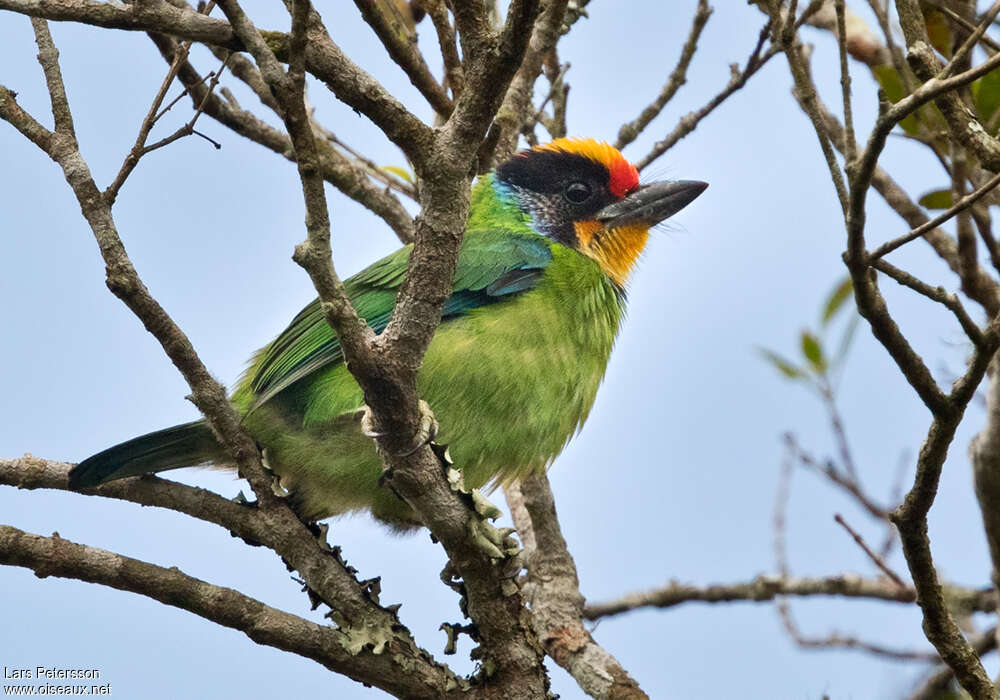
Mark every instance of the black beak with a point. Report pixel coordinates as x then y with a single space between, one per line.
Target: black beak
651 204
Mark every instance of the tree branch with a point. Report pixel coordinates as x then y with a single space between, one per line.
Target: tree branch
737 79
555 599
678 76
767 587
336 169
371 661
401 46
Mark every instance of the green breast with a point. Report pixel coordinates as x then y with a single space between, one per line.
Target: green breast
512 382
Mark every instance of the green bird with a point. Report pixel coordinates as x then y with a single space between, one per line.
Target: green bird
512 372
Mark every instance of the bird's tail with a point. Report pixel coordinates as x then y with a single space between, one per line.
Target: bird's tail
187 445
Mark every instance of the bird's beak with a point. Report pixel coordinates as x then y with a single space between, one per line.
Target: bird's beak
651 204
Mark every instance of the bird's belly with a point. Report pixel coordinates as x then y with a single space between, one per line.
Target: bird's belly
508 393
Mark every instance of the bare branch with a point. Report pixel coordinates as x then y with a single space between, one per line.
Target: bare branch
963 124
297 545
737 79
937 294
959 206
784 34
556 602
327 574
678 76
516 106
333 648
959 58
835 640
324 59
767 587
401 46
453 70
336 169
876 559
938 682
851 145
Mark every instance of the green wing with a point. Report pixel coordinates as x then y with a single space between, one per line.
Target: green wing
492 266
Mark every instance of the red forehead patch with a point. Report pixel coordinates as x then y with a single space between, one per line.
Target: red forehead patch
624 177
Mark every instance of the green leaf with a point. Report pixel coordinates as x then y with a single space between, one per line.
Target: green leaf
936 199
840 294
986 96
813 351
401 173
892 85
938 28
846 340
781 364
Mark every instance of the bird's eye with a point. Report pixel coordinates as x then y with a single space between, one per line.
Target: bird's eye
577 192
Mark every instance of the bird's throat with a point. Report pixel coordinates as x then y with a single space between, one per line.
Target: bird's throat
616 250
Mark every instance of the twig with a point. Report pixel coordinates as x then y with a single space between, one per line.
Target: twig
762 589
935 686
453 70
336 169
140 148
961 205
737 79
964 51
876 559
557 605
851 145
805 93
331 647
402 48
984 225
847 482
678 76
965 24
835 640
937 294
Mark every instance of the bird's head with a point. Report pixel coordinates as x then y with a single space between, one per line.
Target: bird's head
585 195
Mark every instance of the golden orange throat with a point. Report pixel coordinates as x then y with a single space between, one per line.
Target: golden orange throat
615 250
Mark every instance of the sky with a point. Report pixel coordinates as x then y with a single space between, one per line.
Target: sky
672 478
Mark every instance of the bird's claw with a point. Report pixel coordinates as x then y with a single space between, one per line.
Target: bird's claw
426 432
496 542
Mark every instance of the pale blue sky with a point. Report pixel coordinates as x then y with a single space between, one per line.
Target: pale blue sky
674 475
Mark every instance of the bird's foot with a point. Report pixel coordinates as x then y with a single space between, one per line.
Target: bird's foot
495 542
426 432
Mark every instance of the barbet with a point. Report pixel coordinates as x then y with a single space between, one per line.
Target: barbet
512 372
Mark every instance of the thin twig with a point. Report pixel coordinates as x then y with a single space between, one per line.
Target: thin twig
876 559
919 231
402 48
847 482
965 24
963 52
678 76
937 294
139 149
738 78
453 70
766 588
935 686
851 145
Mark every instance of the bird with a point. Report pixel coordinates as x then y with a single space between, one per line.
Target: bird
539 294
